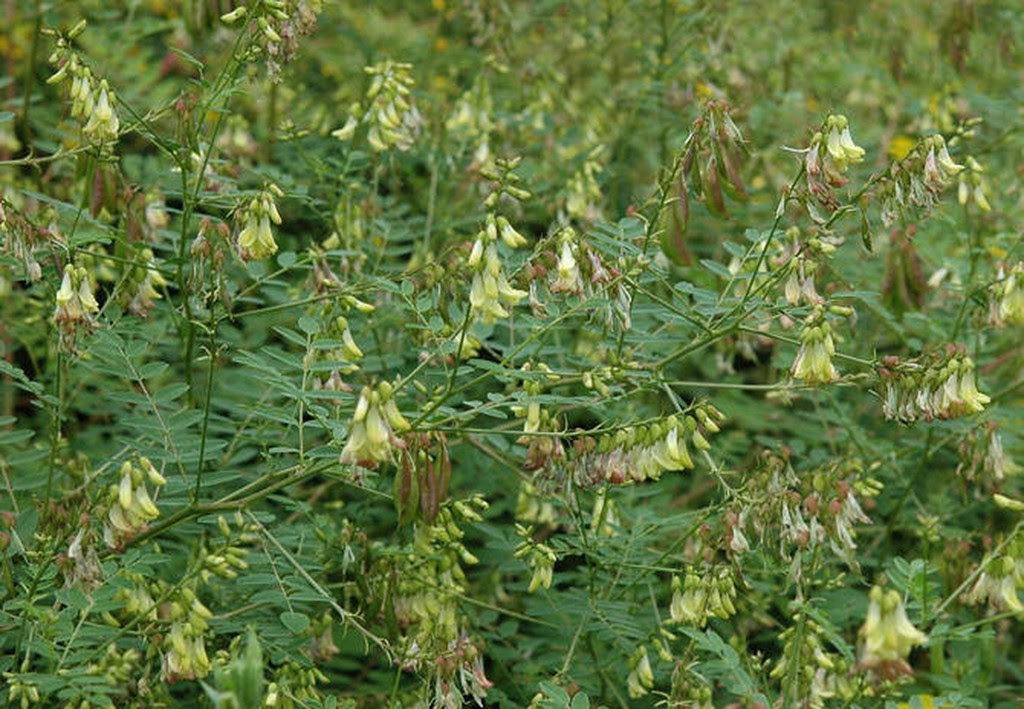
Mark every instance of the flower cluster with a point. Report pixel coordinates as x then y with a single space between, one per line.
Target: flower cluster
703 596
75 304
807 510
391 114
887 636
82 569
828 157
997 585
819 675
813 362
490 290
280 25
641 678
973 186
471 119
256 240
982 457
573 267
131 508
141 280
20 239
184 649
335 354
638 453
918 179
532 507
930 388
539 557
371 434
92 102
1007 297
423 591
583 193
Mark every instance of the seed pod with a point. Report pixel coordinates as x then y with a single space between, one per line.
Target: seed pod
406 490
732 173
672 236
713 189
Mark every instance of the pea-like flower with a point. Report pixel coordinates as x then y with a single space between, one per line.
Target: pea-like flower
813 363
371 436
887 636
256 239
641 678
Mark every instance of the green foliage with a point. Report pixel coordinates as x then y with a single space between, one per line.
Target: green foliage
550 354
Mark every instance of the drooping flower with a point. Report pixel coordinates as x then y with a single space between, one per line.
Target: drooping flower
1007 297
131 508
813 362
490 291
371 435
641 678
997 586
256 239
887 636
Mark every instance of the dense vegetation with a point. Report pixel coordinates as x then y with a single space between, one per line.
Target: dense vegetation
550 354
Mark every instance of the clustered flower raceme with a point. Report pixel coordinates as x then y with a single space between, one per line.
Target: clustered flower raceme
982 457
532 507
583 191
539 557
210 250
808 510
256 240
75 305
371 434
639 453
122 668
21 238
997 585
1006 297
139 287
490 290
81 565
92 102
641 678
281 24
689 688
471 119
225 557
828 157
335 353
887 636
918 179
182 646
391 115
130 506
973 186
820 675
931 387
700 596
573 267
425 600
813 362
